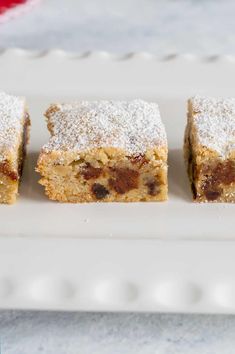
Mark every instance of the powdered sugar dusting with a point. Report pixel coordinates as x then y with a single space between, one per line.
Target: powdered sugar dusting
215 122
11 115
133 126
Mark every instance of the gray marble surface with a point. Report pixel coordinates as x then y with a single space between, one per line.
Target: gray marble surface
161 27
165 26
87 333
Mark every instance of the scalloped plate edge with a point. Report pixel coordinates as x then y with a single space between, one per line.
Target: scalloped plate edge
37 54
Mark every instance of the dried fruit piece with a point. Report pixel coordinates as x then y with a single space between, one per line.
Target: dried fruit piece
212 195
99 191
89 172
124 180
221 174
224 173
152 187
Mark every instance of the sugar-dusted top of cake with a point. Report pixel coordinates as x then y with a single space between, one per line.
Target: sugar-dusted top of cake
11 117
134 126
214 119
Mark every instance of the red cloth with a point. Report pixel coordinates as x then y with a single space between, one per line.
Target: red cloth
9 4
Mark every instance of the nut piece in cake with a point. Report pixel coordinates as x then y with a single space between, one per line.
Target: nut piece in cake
14 135
209 148
104 151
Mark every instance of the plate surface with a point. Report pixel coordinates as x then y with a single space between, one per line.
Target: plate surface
171 256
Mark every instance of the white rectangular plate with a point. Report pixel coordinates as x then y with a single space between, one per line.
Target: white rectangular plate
171 256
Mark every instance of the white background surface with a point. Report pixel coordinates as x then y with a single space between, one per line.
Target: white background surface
162 27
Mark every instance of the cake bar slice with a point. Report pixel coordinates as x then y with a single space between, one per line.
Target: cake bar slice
210 148
104 151
14 131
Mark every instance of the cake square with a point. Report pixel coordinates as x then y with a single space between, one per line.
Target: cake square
104 151
210 148
14 136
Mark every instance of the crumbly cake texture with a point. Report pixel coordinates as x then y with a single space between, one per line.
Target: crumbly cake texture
104 151
14 135
209 148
